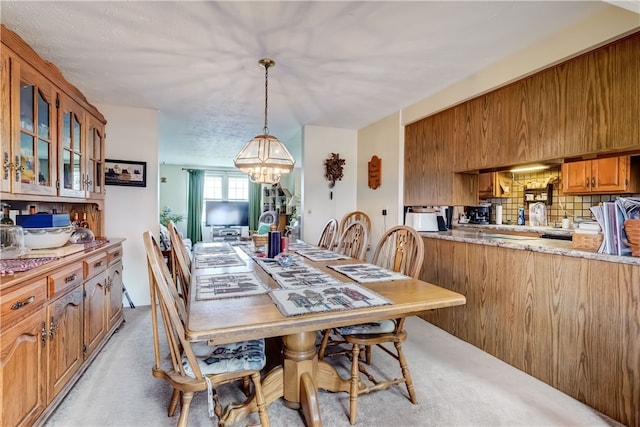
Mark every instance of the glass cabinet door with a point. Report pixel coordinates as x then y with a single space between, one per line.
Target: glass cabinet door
95 159
34 151
5 119
71 151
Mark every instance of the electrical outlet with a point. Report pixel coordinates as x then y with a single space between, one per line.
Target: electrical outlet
384 212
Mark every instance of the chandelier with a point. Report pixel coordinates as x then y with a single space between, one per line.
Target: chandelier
264 158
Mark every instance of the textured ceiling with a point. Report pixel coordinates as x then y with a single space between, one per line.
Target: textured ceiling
342 64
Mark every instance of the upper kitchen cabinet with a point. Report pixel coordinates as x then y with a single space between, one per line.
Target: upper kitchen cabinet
494 184
603 99
611 175
53 140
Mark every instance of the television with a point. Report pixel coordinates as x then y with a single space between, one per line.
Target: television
226 214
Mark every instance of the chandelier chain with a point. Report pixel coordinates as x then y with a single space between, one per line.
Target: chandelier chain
266 96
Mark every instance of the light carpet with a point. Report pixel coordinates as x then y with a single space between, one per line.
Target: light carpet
456 384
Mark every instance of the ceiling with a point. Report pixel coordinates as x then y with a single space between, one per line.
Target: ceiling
339 64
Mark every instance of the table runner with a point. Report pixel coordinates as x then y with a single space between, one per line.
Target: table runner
228 285
368 273
315 299
10 266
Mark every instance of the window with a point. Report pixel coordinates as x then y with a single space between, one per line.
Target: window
226 186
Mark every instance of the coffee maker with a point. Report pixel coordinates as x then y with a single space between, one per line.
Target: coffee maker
478 214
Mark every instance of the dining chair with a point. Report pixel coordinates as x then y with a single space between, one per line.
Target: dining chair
400 249
355 216
180 262
196 366
329 235
354 240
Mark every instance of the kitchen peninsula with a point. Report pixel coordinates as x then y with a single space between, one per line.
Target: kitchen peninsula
568 317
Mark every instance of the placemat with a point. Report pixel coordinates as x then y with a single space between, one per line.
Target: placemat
214 248
297 274
212 260
293 302
10 266
368 273
317 254
228 285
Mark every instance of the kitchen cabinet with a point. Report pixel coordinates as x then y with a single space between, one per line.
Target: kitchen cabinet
494 184
611 175
47 323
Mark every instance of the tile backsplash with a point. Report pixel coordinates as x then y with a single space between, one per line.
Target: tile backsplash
573 206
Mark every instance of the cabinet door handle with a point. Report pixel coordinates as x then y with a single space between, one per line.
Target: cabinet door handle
98 264
70 278
44 334
586 183
593 181
21 304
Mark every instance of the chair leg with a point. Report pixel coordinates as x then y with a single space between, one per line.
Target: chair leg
262 406
173 403
323 344
355 380
405 373
183 421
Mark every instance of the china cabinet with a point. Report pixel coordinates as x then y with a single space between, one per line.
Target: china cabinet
55 318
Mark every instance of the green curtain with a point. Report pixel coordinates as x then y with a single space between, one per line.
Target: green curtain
255 200
196 199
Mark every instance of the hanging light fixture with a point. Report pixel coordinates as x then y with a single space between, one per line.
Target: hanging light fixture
264 158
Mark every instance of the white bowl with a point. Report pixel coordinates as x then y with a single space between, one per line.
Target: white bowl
46 238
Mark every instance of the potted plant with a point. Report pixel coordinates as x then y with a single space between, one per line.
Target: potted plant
166 216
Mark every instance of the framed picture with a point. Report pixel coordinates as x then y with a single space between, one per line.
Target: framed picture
125 172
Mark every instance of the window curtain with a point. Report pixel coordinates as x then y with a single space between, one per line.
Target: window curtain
255 200
196 199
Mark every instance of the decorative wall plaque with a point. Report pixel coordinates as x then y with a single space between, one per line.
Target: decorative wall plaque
375 172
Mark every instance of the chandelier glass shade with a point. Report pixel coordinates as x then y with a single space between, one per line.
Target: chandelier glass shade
264 158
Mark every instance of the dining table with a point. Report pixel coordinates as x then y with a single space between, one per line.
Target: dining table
225 319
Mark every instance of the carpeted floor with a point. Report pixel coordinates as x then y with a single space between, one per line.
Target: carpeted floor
456 384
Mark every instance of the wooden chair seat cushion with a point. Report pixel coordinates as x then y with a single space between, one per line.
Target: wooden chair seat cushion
381 327
234 357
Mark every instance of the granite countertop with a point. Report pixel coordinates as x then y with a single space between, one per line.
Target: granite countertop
490 235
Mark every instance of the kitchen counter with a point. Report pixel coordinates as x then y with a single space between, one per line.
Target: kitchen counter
490 235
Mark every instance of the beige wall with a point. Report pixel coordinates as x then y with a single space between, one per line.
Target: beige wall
383 139
317 144
132 134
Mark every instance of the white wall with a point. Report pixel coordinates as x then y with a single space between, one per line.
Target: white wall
132 134
382 139
317 208
174 193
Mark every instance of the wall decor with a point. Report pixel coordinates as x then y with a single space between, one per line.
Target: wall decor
333 168
375 172
125 172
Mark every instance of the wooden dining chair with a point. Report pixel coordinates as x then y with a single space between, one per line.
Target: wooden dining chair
180 262
400 249
354 240
329 235
354 216
196 366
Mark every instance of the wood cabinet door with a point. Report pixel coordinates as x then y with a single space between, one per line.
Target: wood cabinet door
576 177
65 319
114 310
610 175
23 370
71 149
486 182
33 131
95 316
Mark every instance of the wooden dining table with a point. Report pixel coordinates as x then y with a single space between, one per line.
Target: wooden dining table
301 374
